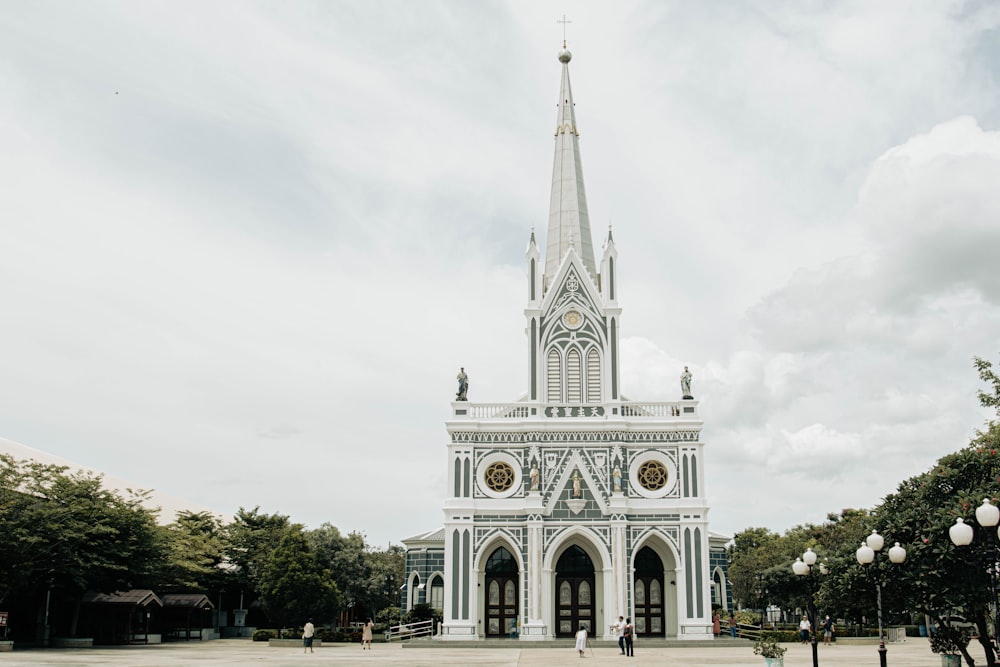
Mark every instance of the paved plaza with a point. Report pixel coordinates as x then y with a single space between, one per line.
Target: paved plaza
234 652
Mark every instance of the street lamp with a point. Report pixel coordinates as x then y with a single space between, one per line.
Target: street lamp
962 534
803 567
866 555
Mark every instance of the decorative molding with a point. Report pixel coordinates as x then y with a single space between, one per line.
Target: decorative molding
575 437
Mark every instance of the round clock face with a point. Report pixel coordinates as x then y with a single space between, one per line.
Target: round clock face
573 319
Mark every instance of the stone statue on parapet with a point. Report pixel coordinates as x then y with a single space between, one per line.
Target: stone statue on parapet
686 384
463 385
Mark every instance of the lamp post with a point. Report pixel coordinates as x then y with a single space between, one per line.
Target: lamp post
866 555
803 567
761 596
962 534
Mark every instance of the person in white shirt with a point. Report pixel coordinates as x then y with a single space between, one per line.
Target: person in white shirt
620 631
804 627
307 636
581 640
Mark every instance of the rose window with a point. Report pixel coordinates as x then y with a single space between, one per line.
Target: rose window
652 475
499 477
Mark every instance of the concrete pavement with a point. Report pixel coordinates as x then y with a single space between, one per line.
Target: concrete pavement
915 652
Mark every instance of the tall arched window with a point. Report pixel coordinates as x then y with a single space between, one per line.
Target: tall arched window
554 377
574 371
593 376
437 593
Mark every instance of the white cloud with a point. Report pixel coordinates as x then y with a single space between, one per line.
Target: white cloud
243 256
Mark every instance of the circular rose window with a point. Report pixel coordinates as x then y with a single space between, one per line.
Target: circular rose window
652 475
499 477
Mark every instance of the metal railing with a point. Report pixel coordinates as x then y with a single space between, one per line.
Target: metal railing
410 631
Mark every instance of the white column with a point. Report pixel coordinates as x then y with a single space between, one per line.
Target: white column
622 571
534 627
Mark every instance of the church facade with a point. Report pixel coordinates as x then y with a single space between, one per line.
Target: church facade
574 504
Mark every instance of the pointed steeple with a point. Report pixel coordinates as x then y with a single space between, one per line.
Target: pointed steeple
569 223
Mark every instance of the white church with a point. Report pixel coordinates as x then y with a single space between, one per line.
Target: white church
573 504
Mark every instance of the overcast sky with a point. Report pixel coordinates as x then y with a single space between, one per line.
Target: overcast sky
244 247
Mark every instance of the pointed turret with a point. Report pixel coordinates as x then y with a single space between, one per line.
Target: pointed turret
609 267
569 223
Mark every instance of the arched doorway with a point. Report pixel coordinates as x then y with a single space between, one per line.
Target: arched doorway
501 593
649 621
574 592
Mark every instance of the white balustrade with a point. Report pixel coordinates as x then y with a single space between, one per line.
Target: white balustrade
624 409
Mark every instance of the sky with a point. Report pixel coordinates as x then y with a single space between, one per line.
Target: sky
245 246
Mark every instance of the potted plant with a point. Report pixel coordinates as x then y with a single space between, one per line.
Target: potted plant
767 647
949 642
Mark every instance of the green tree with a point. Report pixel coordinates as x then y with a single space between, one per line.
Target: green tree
347 557
250 540
294 586
64 532
195 549
939 578
386 573
754 551
987 375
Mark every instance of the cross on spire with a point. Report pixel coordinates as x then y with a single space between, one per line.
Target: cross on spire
564 22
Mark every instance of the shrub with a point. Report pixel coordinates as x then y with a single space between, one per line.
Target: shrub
767 646
264 634
949 640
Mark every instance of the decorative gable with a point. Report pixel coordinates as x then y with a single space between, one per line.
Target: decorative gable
573 338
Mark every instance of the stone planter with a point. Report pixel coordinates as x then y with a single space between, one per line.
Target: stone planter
775 662
6 646
71 642
951 661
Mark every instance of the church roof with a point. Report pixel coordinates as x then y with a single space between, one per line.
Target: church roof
569 222
436 535
137 597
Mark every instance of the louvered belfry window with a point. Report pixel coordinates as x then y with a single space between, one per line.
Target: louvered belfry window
574 379
593 376
554 377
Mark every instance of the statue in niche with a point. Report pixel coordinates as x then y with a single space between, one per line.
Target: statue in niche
576 484
616 478
686 384
534 478
463 385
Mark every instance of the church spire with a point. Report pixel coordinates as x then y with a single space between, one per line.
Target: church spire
569 223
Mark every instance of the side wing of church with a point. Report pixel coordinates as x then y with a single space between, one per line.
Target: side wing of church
575 504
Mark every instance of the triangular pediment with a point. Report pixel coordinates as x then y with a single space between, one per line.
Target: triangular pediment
572 282
576 470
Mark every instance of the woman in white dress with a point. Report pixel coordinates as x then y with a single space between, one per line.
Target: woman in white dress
581 640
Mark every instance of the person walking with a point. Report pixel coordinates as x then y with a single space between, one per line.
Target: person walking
366 635
804 628
620 631
733 625
308 631
581 640
827 629
628 632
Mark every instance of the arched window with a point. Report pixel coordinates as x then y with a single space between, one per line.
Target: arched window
574 371
554 377
413 597
437 593
593 376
